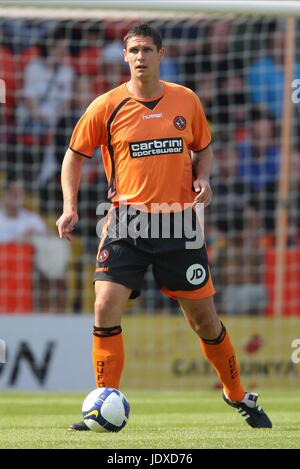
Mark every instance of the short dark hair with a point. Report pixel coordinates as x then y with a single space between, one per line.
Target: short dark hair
145 30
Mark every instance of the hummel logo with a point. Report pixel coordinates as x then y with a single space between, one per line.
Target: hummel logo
152 116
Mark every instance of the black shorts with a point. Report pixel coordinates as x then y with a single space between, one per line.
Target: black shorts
179 272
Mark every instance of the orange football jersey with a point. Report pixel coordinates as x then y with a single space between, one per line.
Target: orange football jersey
145 143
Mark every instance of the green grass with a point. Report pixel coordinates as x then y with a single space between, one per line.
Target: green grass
158 419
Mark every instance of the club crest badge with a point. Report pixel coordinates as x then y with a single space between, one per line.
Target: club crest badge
180 122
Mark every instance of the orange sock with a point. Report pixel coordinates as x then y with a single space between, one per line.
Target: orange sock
108 356
221 355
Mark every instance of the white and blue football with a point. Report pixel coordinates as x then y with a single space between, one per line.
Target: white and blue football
105 410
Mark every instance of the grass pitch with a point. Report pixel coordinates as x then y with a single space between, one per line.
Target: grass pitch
158 420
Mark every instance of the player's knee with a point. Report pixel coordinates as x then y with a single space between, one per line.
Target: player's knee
103 306
204 322
106 312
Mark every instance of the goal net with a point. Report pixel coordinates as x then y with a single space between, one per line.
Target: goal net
53 63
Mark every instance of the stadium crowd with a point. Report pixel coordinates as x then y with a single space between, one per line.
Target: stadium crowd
53 69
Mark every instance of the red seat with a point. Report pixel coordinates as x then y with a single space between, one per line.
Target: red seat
16 278
291 293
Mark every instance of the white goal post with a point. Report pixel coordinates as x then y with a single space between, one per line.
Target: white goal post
248 7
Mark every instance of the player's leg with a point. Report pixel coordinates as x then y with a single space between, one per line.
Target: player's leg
108 348
185 275
119 274
218 349
215 342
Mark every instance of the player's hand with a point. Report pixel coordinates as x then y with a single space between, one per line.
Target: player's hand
66 224
203 188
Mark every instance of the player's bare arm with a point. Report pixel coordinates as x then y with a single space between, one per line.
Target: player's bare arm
202 164
70 181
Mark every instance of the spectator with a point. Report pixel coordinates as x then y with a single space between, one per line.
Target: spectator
115 71
241 278
238 260
212 55
89 60
45 95
231 109
94 186
233 215
258 166
214 58
169 67
232 196
83 93
265 77
47 88
7 140
206 92
224 101
26 56
8 75
19 225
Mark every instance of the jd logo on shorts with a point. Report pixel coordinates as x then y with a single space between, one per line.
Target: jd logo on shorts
196 274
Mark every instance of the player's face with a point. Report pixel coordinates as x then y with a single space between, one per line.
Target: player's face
143 57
